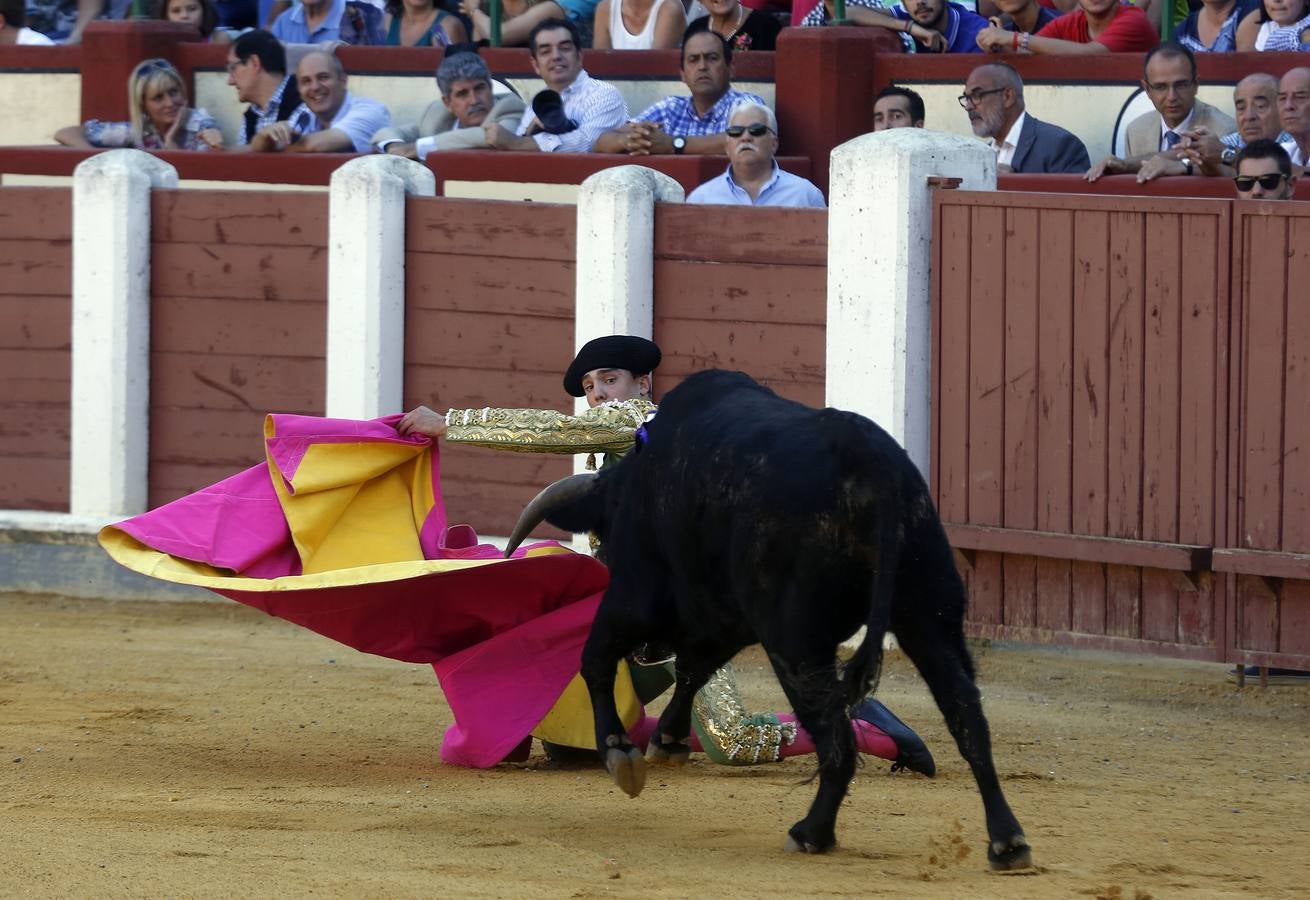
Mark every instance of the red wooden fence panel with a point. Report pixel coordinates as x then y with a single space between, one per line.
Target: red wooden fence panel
238 319
742 289
36 281
1268 548
1079 396
489 297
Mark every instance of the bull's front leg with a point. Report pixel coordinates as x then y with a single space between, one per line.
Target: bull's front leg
605 646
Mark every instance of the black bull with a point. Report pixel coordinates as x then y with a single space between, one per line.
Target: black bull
746 518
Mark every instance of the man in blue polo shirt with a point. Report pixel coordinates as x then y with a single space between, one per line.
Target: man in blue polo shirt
691 124
753 177
319 21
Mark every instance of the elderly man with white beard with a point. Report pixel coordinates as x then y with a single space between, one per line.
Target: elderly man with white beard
993 98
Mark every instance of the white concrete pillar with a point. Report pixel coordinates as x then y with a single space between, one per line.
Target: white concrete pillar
879 327
366 283
615 273
109 445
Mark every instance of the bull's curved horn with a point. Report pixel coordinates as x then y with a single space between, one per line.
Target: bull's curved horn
566 490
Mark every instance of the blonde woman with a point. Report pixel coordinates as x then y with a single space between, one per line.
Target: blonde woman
161 119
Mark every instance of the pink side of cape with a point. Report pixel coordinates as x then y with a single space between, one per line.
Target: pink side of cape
504 639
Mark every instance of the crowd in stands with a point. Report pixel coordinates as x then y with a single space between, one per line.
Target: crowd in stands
299 100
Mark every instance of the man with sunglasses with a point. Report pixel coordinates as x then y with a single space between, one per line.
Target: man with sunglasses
1264 172
754 177
993 99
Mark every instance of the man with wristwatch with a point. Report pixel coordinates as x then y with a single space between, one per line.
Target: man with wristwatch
692 124
1255 100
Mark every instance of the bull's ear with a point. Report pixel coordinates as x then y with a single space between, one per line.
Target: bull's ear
571 503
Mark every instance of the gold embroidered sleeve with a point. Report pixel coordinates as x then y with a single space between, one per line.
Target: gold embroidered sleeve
608 428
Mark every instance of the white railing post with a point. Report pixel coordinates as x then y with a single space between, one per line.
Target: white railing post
879 326
616 258
109 446
366 283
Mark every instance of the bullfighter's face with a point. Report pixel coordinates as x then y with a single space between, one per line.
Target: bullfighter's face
602 385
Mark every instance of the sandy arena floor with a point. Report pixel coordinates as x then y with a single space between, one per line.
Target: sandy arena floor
205 750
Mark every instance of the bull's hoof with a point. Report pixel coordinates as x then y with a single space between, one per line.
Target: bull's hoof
1008 856
797 842
627 768
672 754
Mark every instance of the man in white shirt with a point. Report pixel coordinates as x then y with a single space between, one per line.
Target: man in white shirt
329 119
993 100
13 18
580 108
1294 113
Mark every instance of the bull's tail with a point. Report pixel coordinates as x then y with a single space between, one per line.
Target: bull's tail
861 672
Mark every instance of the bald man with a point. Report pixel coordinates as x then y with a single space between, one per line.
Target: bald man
329 119
1294 114
1255 100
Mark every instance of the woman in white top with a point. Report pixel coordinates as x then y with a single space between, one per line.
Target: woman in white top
639 25
1275 15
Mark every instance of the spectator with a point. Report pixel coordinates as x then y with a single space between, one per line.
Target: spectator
257 68
13 26
897 107
658 24
1213 27
753 177
329 119
1023 16
201 14
319 21
1294 113
1256 100
421 23
160 117
935 26
692 124
1097 26
993 98
1153 138
743 28
1264 172
574 109
1276 25
520 17
455 122
62 20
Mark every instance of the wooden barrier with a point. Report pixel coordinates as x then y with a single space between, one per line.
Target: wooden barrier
742 291
238 327
1268 540
1081 380
35 346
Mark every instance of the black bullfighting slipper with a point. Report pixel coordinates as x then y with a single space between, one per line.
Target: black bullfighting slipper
911 752
548 107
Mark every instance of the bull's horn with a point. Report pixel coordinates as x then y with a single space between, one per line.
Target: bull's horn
566 490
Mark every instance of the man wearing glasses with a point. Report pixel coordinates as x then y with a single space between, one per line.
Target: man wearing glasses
1157 139
1264 172
993 99
257 68
753 177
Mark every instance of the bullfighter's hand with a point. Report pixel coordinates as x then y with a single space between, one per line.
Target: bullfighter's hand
422 420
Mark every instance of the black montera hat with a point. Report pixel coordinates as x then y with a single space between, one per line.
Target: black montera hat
616 351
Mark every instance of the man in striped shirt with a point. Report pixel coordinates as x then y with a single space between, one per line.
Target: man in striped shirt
1255 100
691 124
589 107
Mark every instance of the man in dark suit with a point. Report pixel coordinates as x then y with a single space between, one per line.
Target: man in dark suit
993 98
